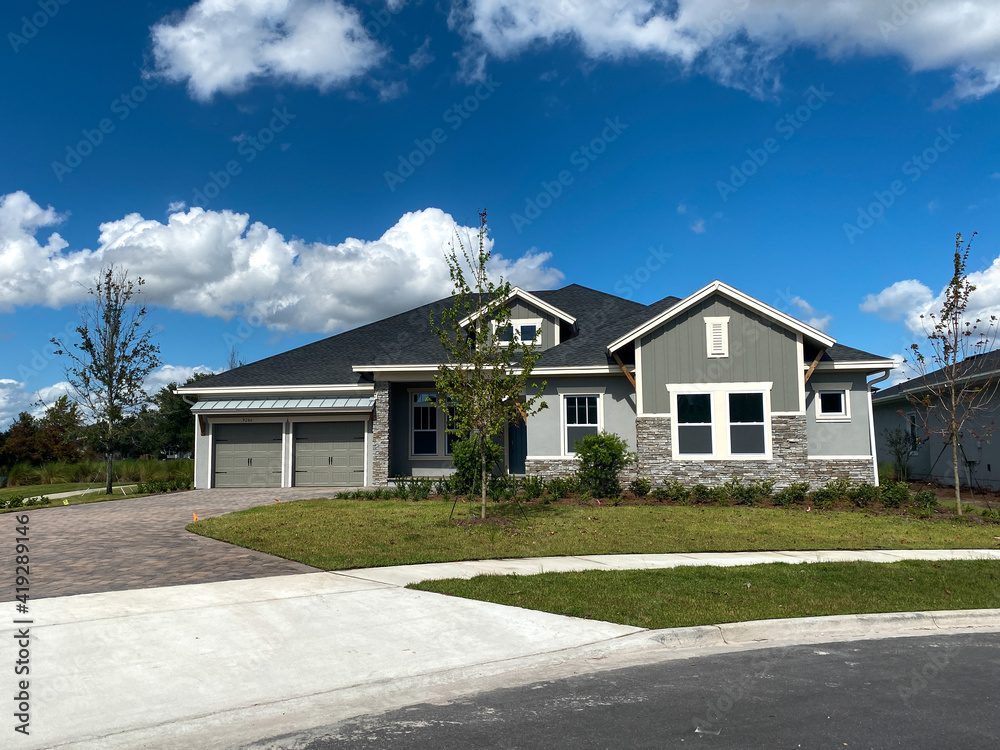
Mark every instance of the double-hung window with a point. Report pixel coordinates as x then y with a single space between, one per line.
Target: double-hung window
721 421
746 424
582 419
694 424
425 424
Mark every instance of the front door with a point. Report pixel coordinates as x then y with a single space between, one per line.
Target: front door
517 446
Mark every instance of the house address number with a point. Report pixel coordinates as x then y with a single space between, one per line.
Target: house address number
248 419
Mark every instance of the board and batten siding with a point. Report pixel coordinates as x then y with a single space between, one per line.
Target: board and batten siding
520 310
760 350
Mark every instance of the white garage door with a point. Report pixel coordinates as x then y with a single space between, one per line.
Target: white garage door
247 455
329 454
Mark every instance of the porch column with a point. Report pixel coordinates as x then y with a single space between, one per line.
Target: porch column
380 435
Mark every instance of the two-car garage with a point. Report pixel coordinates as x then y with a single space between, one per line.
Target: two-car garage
269 441
324 454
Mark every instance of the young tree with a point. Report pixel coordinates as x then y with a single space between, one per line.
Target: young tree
109 364
955 394
484 383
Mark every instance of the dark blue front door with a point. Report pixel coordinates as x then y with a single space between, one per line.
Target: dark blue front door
517 446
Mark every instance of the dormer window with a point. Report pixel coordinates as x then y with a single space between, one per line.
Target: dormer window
525 330
717 336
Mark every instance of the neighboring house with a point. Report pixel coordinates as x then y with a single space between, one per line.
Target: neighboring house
931 457
706 388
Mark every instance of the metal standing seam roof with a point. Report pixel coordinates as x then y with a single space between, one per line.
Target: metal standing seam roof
342 403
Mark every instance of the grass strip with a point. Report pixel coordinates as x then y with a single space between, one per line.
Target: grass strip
341 534
687 596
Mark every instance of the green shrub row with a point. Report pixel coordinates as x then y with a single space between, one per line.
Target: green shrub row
19 501
162 486
124 470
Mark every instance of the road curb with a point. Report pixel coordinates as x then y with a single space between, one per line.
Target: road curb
826 628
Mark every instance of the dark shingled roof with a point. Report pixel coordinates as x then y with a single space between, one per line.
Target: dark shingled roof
407 339
983 365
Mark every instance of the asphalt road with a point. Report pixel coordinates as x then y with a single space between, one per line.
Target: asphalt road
928 692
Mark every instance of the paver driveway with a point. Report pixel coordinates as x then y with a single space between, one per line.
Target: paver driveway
139 543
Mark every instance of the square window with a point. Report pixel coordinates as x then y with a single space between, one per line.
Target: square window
832 404
528 332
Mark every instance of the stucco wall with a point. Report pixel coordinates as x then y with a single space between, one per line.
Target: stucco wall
839 438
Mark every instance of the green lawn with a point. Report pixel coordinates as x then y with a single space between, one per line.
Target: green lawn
50 489
339 534
681 597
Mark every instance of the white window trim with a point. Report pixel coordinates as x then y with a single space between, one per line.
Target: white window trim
720 420
516 324
562 417
844 416
710 322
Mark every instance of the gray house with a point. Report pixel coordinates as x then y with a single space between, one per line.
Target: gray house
931 455
704 388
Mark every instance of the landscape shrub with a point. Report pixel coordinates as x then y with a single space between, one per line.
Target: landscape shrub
560 487
673 491
466 455
20 501
794 494
863 495
747 493
992 514
162 486
534 487
925 500
825 496
640 487
701 493
602 458
895 494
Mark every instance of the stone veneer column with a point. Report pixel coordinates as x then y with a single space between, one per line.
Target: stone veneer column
380 435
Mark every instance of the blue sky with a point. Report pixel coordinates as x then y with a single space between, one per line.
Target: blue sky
279 171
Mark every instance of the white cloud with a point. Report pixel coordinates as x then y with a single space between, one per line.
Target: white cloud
14 399
698 227
422 55
808 315
225 46
175 206
738 42
168 374
219 264
904 300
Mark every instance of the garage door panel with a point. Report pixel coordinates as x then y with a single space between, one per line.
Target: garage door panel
329 454
247 455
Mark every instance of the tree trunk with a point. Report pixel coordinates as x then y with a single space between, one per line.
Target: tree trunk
107 476
482 460
954 462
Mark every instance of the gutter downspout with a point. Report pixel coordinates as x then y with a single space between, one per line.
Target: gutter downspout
871 421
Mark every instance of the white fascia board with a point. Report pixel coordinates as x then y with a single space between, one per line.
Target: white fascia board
869 365
737 296
340 388
585 370
529 298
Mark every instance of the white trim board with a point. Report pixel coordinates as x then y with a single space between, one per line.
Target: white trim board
531 299
342 388
733 294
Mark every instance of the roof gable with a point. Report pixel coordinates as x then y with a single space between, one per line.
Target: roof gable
518 293
723 289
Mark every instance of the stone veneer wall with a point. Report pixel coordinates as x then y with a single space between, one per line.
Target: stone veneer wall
549 468
789 448
380 435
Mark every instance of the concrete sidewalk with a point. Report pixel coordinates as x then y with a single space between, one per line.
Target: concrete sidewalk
217 665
